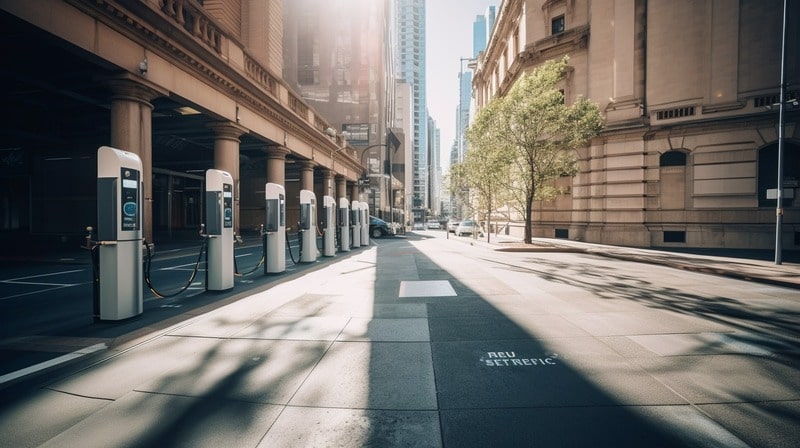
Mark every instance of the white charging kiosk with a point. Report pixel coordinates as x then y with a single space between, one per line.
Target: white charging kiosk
275 229
364 224
355 223
308 226
219 228
344 225
328 226
119 234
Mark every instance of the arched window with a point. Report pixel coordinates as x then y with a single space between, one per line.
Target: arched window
768 172
673 158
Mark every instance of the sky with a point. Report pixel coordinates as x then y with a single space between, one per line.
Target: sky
448 39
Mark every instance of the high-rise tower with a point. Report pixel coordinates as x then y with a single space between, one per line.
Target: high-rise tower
410 53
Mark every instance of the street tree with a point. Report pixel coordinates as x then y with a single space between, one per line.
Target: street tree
483 172
537 135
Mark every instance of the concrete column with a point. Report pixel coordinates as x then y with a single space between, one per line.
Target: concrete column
341 188
132 130
327 183
276 164
226 158
307 175
355 192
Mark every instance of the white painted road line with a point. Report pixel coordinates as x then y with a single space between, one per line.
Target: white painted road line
13 280
53 362
38 291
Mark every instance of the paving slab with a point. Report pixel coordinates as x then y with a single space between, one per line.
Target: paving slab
328 305
612 426
766 424
518 373
726 378
321 427
700 344
143 419
42 415
261 371
371 375
386 330
116 376
644 321
274 326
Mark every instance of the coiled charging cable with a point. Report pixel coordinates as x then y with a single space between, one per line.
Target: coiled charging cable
149 261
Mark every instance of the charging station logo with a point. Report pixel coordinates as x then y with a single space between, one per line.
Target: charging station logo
129 209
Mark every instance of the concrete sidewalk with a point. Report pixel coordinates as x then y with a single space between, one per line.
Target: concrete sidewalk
786 274
389 348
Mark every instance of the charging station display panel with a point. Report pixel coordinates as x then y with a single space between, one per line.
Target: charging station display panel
344 218
227 205
282 210
218 201
305 216
272 215
308 204
275 207
129 198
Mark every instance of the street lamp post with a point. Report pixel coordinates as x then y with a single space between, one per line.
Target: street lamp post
781 108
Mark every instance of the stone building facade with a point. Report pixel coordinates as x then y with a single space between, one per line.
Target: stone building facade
687 89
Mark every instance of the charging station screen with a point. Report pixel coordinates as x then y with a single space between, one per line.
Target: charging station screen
130 199
305 216
282 210
227 205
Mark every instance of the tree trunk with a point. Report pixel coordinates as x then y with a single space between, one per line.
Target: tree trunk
528 220
489 223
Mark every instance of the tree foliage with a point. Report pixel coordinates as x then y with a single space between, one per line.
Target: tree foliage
482 172
528 137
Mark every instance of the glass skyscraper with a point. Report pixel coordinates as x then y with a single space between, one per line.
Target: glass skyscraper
410 53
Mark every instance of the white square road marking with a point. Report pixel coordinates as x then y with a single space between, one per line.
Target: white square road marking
427 288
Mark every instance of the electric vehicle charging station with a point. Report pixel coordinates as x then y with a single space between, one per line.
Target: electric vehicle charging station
119 234
355 222
275 229
344 225
219 230
308 227
365 224
328 226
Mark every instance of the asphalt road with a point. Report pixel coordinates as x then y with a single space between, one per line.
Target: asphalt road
47 306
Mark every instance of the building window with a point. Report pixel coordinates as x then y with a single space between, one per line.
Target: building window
562 233
359 133
557 25
674 236
768 173
673 158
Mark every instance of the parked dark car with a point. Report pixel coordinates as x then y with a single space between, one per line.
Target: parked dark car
379 228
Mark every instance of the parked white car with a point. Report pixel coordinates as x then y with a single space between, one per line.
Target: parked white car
452 225
467 227
433 225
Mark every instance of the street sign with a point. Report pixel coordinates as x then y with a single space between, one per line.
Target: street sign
788 193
